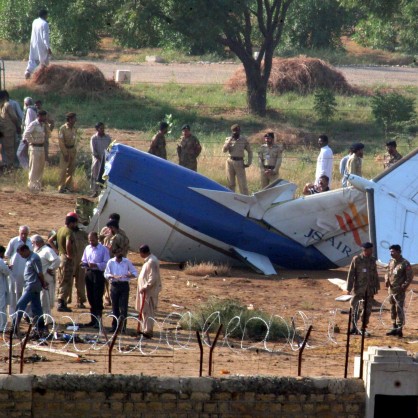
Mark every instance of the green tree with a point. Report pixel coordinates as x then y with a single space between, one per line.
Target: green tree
242 26
393 111
316 24
386 24
74 24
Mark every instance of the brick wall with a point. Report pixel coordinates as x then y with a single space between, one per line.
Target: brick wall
100 396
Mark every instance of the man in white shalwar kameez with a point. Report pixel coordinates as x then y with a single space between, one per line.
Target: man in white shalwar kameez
149 287
40 49
17 263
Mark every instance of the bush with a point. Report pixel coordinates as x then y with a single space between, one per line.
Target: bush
393 110
324 104
237 321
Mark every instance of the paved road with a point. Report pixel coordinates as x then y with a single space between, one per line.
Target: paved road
219 73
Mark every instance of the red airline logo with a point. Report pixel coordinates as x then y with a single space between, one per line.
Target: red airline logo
353 222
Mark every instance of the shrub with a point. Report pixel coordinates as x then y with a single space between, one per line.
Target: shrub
324 104
237 321
392 110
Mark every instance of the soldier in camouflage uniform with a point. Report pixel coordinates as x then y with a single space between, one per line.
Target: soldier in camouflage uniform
398 278
158 144
188 149
81 242
392 155
362 278
270 159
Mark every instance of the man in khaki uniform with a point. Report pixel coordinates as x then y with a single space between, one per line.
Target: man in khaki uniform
398 278
270 160
67 136
235 167
362 278
35 135
66 250
188 149
355 162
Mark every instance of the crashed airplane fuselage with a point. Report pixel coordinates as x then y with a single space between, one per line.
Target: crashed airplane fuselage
185 216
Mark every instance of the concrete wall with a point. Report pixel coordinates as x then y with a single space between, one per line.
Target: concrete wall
97 396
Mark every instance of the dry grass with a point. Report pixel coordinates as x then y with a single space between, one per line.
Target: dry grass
72 79
207 269
302 75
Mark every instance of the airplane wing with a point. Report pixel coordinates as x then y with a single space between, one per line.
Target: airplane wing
252 206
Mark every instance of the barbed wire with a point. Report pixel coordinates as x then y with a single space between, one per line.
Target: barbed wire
174 331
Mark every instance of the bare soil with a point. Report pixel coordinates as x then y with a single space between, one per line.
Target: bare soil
305 296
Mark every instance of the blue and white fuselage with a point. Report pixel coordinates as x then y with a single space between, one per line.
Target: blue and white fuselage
184 216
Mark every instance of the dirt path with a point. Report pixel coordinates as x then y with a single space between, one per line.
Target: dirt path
219 73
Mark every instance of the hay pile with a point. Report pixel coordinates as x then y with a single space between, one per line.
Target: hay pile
72 79
302 75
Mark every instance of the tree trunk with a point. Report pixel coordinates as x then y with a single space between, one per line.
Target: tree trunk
256 89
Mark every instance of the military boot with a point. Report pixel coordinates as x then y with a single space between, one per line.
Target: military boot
393 331
400 333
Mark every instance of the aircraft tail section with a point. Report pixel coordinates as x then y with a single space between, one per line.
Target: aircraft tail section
393 208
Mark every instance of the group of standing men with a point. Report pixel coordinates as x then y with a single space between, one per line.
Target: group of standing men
30 276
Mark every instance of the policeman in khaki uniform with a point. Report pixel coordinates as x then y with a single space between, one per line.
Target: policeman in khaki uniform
362 278
67 136
270 160
235 167
398 278
188 149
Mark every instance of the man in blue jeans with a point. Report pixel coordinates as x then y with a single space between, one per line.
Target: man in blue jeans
33 284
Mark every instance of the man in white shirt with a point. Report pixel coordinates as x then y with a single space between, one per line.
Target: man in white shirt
94 260
50 262
325 160
17 266
149 287
40 49
119 270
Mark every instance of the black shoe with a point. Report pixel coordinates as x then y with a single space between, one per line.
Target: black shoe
400 333
63 308
81 306
354 331
393 331
366 333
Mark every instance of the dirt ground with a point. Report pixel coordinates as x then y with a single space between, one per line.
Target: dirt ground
305 296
